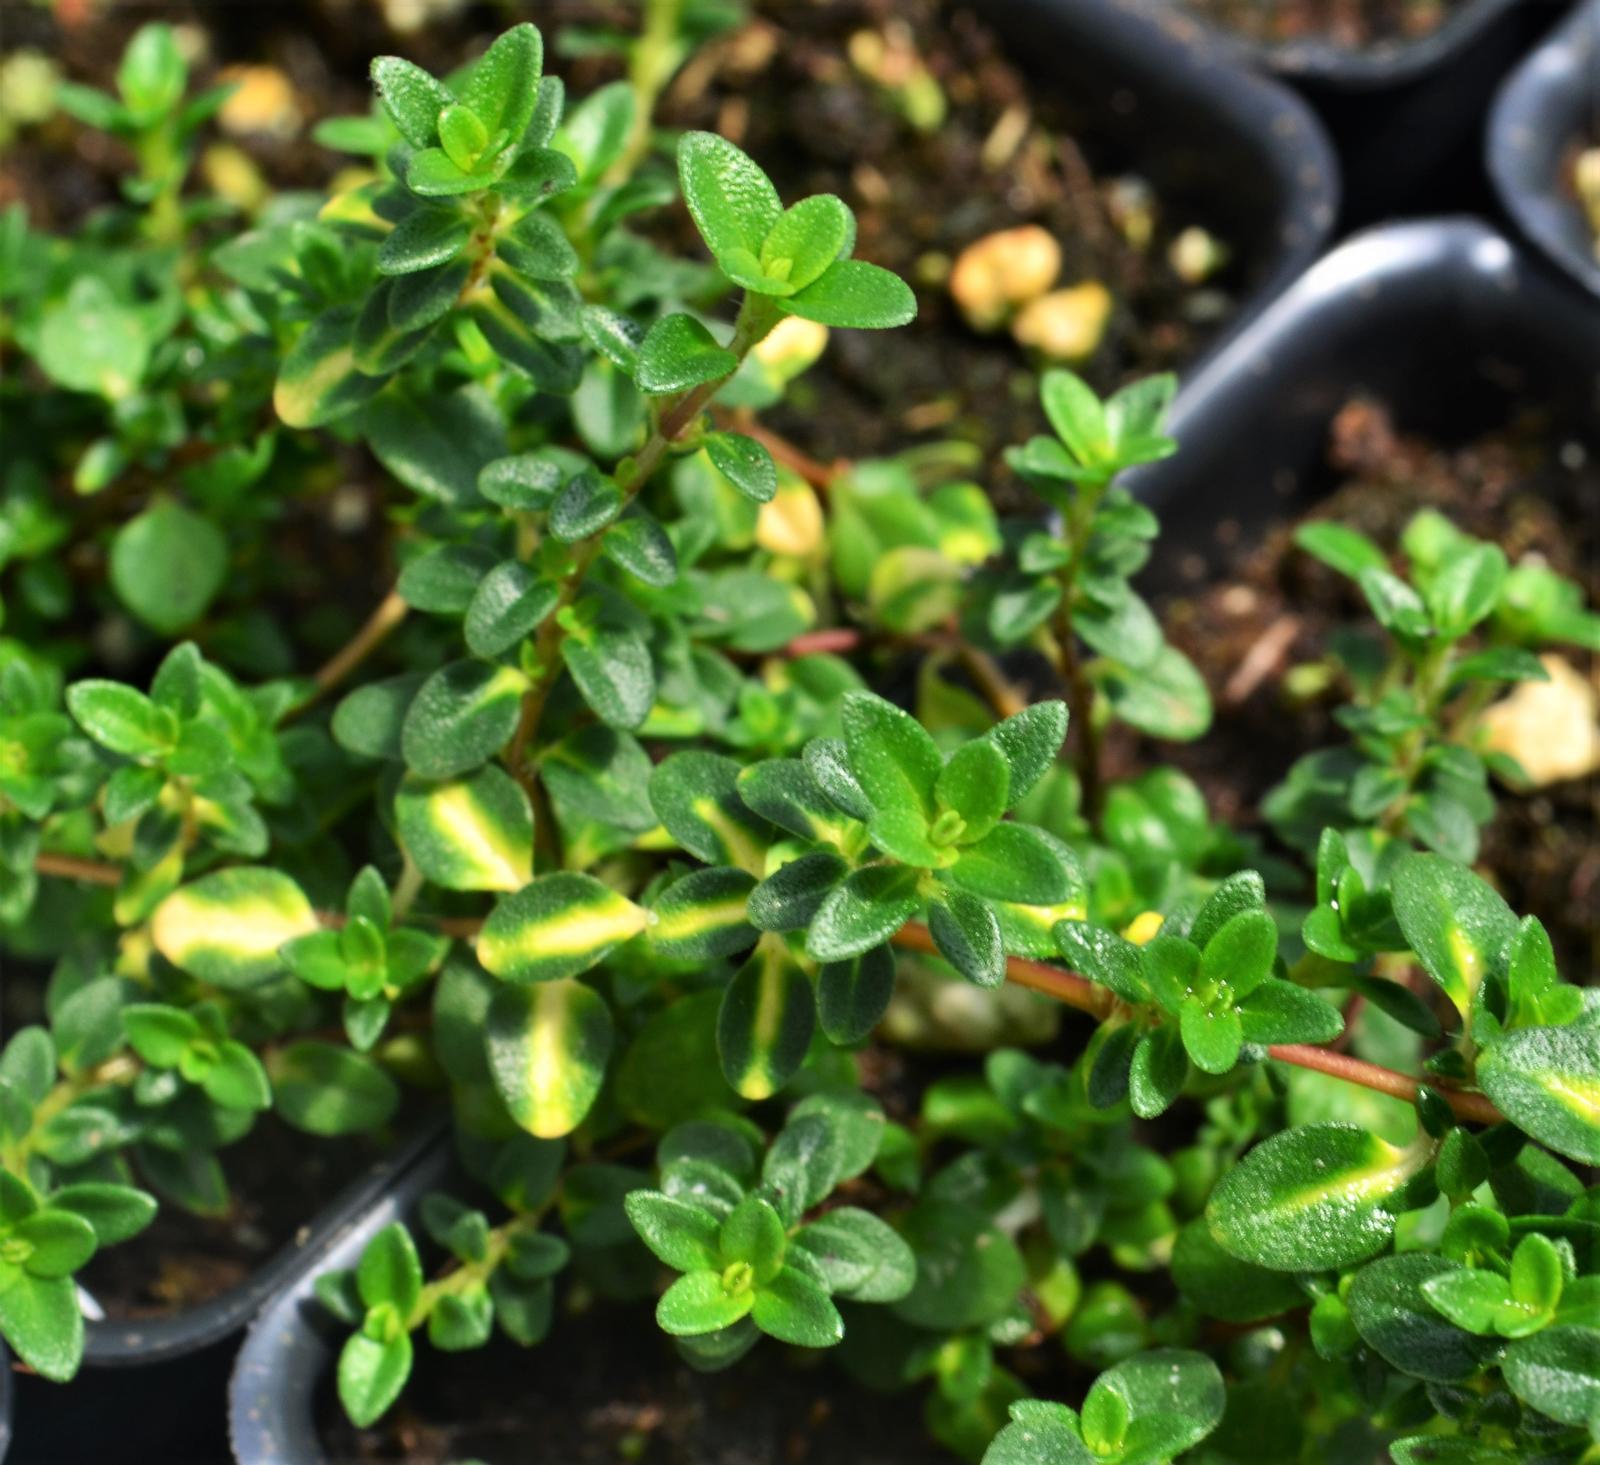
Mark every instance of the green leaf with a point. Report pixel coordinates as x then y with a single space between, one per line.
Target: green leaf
523 481
1341 548
975 784
1013 862
859 1254
968 1271
159 1034
784 791
1039 1434
437 444
807 238
1240 892
863 912
613 671
1454 922
557 927
753 1233
507 605
745 463
1241 953
123 720
696 796
967 934
60 1242
851 292
1076 415
461 716
895 762
1556 1371
643 548
504 84
227 927
732 202
237 1080
412 98
1030 740
371 1375
116 1212
39 1318
1166 698
319 380
330 1091
167 565
1222 1286
433 173
1158 1072
790 897
1280 1012
585 506
92 342
765 1024
1311 1197
1171 1398
1466 587
679 353
473 833
793 1309
1212 1037
853 995
424 239
548 1048
684 1236
1546 1080
1393 1316
1103 956
390 1270
698 1303
702 916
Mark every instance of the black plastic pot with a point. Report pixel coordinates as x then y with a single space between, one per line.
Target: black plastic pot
180 1359
1448 323
1538 117
1405 116
291 1346
1246 150
5 1401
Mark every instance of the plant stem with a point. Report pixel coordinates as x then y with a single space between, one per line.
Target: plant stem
70 867
1069 663
391 610
631 477
1038 976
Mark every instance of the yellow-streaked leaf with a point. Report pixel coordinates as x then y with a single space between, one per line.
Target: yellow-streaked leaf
473 833
559 926
226 928
548 1049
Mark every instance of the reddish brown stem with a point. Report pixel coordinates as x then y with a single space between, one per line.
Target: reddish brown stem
70 867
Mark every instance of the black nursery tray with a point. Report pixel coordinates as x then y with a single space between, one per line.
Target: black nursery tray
1204 126
1447 322
1383 65
1538 118
291 1346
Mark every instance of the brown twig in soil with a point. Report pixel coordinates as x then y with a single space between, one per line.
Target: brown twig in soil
1263 658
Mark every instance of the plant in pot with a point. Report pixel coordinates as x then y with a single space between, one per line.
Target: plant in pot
620 862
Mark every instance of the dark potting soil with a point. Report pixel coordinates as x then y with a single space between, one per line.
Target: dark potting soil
1350 24
1007 152
1531 491
280 1181
608 1387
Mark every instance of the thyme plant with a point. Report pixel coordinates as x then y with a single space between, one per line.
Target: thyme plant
595 836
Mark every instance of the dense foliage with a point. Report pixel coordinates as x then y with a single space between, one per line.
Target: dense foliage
620 861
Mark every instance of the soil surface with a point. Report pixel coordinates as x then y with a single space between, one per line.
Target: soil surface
1351 25
542 1406
1007 153
1525 488
281 1181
